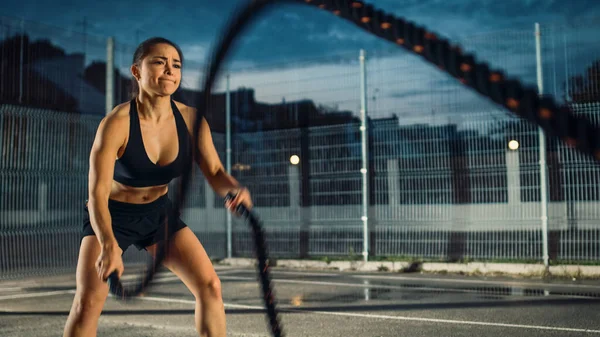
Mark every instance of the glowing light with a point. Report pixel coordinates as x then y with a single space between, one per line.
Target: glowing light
296 300
495 77
545 113
465 67
512 103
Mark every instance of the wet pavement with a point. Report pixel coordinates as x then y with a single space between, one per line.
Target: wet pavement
315 303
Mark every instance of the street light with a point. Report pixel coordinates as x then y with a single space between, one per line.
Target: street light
294 159
240 167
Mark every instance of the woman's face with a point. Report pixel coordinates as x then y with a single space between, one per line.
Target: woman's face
159 73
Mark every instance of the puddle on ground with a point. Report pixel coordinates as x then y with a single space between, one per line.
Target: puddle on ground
412 292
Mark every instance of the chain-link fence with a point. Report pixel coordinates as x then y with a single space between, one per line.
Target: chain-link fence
443 182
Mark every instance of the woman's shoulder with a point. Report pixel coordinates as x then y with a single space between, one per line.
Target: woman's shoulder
186 111
119 112
118 117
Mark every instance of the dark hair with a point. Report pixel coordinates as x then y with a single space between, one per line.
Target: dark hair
143 50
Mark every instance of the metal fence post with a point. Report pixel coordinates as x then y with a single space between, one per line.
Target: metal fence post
110 66
542 152
364 152
228 159
21 65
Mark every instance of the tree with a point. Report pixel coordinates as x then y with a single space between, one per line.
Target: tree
95 75
584 88
21 84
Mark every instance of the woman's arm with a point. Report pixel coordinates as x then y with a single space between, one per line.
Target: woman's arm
211 166
109 139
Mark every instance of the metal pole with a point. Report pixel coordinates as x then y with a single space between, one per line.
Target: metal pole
567 88
110 65
365 156
542 152
22 51
228 159
81 92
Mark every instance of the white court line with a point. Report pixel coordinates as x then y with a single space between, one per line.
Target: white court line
164 277
420 319
72 291
158 280
227 271
48 293
354 285
402 318
275 272
175 327
506 283
322 283
11 288
176 300
225 277
170 278
382 286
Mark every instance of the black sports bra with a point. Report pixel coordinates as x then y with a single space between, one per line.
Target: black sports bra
135 169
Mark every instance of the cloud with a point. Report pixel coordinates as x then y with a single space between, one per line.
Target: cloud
291 16
295 31
298 52
419 93
335 34
194 52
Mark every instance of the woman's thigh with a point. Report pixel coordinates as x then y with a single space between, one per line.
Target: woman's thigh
187 258
89 285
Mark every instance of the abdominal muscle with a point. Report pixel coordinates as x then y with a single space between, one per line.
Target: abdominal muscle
136 195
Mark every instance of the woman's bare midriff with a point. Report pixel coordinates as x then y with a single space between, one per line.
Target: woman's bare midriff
136 195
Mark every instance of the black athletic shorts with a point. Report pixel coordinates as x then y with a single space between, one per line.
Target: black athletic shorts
141 225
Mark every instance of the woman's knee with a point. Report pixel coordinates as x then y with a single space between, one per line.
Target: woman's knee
210 289
89 303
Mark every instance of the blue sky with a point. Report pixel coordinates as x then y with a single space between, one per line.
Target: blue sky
307 32
305 41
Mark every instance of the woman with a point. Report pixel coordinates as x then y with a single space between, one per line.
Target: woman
139 147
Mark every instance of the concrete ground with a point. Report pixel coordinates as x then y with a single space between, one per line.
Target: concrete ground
324 303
